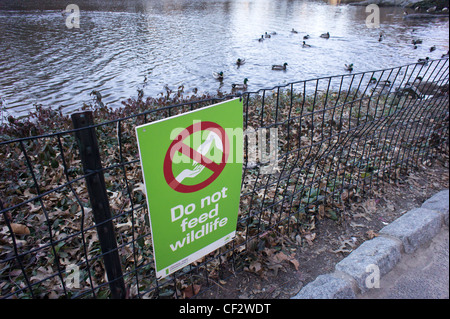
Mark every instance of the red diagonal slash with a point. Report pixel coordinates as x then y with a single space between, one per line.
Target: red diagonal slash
178 146
198 157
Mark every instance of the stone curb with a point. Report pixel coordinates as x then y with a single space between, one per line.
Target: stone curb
437 203
376 257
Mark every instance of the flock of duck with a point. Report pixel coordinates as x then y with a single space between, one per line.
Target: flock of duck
277 67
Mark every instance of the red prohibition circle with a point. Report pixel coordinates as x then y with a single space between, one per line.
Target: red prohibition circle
178 146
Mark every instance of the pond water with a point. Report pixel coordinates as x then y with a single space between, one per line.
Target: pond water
181 42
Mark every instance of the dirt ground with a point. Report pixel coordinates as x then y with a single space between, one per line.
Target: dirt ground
334 240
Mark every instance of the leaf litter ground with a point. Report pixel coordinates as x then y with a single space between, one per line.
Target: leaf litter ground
283 269
278 264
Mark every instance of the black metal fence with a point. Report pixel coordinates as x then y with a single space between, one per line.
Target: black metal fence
74 220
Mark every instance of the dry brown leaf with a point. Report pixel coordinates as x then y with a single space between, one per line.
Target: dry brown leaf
255 266
344 243
268 251
321 211
371 234
191 291
295 263
33 208
353 224
140 187
275 267
42 273
310 238
341 250
370 206
281 257
344 195
276 260
28 194
20 229
298 240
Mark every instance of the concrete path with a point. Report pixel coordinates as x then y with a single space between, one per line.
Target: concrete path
408 260
424 274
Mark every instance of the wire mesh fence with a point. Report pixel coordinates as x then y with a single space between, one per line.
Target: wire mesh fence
335 137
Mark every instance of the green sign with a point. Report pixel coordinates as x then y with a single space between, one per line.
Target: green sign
192 168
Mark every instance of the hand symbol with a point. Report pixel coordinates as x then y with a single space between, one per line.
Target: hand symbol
198 168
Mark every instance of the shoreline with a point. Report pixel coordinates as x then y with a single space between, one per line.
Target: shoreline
421 4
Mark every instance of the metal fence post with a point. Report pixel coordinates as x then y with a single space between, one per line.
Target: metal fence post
95 181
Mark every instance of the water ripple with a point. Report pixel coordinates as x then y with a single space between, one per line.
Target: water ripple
181 42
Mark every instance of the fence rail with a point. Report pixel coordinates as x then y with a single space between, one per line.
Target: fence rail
338 137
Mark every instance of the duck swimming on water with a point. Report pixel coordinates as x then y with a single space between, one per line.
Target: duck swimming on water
240 86
279 67
423 61
218 75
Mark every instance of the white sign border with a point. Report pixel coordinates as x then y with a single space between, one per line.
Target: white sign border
160 274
